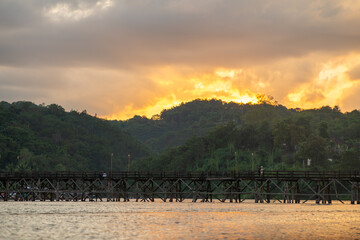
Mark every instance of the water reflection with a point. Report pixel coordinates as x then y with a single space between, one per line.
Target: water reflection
158 220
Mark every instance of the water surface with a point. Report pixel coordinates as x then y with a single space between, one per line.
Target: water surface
186 220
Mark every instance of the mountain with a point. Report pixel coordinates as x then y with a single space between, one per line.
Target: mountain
197 118
46 138
213 135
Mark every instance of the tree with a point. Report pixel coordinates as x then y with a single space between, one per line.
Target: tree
288 134
323 130
25 161
350 160
313 148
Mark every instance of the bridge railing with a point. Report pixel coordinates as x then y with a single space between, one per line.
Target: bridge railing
185 175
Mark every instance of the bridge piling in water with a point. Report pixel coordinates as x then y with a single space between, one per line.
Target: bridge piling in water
358 192
282 186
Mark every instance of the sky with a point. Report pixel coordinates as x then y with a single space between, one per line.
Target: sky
117 59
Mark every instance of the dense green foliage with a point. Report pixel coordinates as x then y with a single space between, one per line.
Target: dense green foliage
200 135
246 136
46 138
175 126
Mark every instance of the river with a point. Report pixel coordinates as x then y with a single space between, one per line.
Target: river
186 220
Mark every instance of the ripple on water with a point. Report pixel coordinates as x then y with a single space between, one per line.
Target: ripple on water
158 220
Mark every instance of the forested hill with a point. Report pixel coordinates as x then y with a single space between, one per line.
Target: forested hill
173 127
199 135
197 118
229 136
46 138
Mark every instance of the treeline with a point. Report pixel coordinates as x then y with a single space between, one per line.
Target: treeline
247 136
46 138
202 135
175 126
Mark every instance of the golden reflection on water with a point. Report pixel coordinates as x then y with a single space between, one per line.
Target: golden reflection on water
158 220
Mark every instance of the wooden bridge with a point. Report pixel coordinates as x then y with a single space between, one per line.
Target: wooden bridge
282 186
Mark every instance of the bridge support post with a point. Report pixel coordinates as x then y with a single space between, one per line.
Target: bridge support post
358 193
286 191
137 191
108 197
165 191
210 191
237 195
152 196
323 193
268 197
297 195
223 199
329 193
6 194
318 192
353 193
171 189
256 192
180 191
261 194
56 189
194 192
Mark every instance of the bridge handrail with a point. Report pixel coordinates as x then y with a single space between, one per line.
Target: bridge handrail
196 175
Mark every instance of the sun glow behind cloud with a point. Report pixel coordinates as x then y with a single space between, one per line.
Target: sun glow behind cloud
176 89
121 58
328 87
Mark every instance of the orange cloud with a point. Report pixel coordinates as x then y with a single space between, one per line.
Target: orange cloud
175 87
308 82
328 87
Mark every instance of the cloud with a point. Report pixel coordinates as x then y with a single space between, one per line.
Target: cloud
139 55
354 73
351 98
329 86
75 11
164 32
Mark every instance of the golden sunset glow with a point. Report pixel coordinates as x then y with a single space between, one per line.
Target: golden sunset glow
328 87
215 85
117 59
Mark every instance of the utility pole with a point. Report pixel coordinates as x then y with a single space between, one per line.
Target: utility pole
129 156
236 162
111 158
252 162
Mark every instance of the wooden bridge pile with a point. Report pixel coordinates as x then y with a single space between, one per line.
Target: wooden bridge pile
282 186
